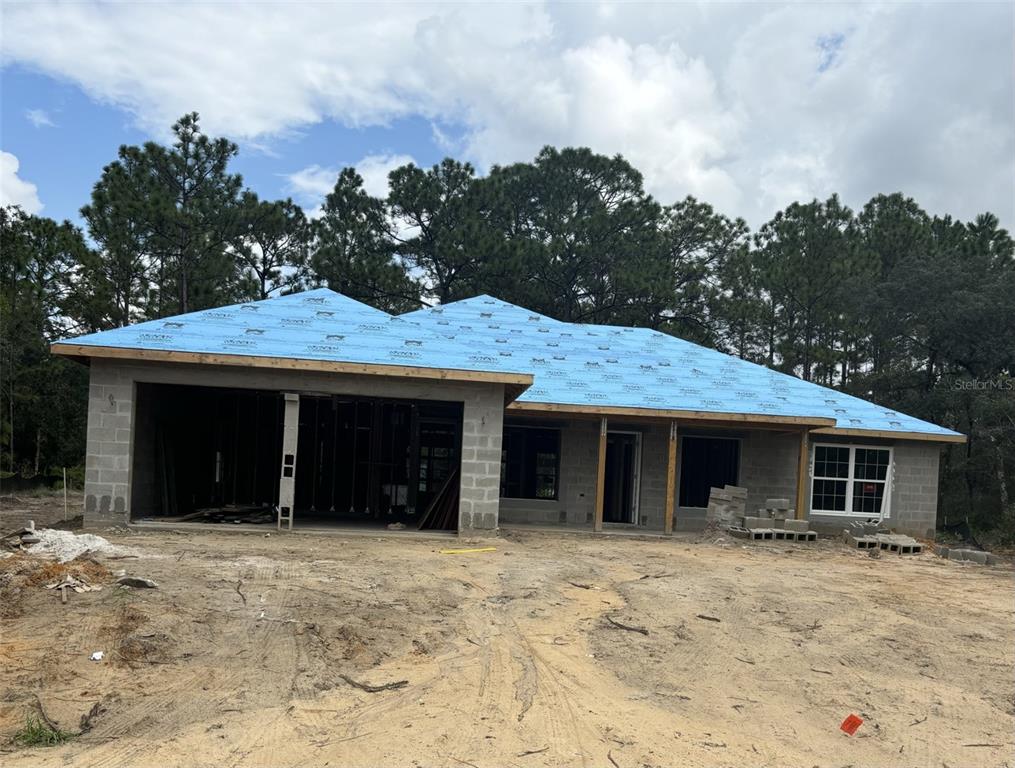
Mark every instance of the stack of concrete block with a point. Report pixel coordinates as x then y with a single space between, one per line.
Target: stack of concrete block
776 522
726 505
872 536
968 555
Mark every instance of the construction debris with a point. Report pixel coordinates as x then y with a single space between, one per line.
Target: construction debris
136 581
870 536
968 555
726 505
76 583
66 545
776 521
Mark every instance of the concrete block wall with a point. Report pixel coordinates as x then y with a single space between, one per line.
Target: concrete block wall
482 431
915 491
109 446
113 424
768 466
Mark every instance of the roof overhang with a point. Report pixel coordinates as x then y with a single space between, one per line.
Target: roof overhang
745 419
514 383
892 434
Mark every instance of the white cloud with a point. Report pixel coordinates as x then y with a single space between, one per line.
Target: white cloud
13 189
39 118
312 184
748 106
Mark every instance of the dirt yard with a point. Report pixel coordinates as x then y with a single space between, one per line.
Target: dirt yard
249 652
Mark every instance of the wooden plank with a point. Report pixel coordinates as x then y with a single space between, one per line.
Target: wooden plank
885 433
671 480
669 413
803 460
289 363
600 476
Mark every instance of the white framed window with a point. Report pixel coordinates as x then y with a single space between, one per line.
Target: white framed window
851 480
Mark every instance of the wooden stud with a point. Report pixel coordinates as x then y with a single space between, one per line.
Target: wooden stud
671 480
803 461
600 477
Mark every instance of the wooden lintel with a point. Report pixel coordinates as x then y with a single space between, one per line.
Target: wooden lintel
671 479
760 420
803 462
600 477
514 380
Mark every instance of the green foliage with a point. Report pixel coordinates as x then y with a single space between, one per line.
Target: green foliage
272 247
36 733
353 249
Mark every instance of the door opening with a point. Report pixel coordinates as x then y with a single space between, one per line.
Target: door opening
623 474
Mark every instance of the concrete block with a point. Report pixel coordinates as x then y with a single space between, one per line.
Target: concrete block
777 503
756 522
993 559
956 554
796 525
976 557
941 551
736 492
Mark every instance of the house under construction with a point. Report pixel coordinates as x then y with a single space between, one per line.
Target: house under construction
318 411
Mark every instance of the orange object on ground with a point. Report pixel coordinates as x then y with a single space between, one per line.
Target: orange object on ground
851 723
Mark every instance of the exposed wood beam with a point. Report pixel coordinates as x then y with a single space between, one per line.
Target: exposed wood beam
669 413
803 461
890 435
514 380
600 477
671 479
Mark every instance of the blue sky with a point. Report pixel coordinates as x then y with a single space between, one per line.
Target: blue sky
64 156
747 106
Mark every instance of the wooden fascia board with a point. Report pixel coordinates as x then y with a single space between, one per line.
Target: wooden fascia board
517 381
890 435
661 413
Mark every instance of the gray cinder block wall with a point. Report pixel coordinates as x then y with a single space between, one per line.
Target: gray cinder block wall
109 446
113 421
482 431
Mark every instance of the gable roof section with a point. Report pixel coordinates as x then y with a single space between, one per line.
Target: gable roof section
627 371
315 330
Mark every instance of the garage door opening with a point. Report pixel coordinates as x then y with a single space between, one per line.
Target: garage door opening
209 454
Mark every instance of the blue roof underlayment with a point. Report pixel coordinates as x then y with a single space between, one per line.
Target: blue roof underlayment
313 325
603 365
572 364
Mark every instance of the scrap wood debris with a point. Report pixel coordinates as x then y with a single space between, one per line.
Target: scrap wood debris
627 627
77 583
374 688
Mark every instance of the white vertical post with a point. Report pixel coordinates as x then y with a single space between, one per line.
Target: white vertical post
287 481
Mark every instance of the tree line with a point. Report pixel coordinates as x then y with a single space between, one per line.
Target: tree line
890 303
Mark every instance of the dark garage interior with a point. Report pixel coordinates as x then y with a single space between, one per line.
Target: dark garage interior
208 454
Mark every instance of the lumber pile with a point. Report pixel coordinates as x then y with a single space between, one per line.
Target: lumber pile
442 513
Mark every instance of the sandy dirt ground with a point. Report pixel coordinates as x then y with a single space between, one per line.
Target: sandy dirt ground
750 655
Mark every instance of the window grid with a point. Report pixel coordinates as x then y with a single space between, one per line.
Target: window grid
851 480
